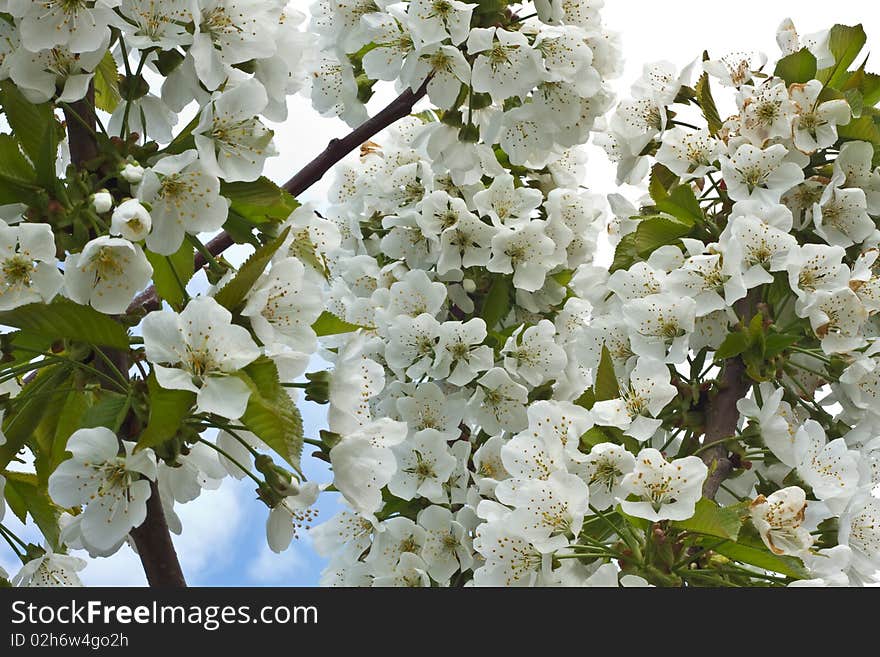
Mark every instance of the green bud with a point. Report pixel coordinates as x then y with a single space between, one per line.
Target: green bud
469 133
133 88
318 388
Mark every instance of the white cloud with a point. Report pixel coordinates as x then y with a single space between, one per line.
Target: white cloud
122 569
210 526
269 568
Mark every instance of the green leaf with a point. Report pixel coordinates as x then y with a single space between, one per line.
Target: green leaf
36 129
496 305
65 319
798 67
15 170
712 520
864 128
260 201
654 232
846 43
168 408
563 277
29 410
19 346
651 233
69 420
606 385
330 324
109 410
856 102
733 345
626 254
232 295
682 204
27 496
184 140
750 549
870 89
587 399
707 104
172 272
778 342
661 181
107 95
271 415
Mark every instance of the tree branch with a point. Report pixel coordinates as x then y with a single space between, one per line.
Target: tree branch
722 415
336 150
80 139
310 174
153 541
152 538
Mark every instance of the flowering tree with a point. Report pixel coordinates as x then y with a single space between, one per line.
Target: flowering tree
503 407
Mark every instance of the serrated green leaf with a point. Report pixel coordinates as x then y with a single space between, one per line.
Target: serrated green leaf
109 410
798 67
261 192
260 201
496 305
682 204
28 497
107 95
864 128
651 233
65 319
30 406
626 254
856 102
330 324
733 345
19 347
15 168
271 415
712 520
36 129
172 273
870 89
168 408
660 182
234 292
72 410
707 104
776 343
606 386
184 140
749 549
845 43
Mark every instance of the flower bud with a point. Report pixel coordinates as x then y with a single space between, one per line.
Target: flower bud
131 220
469 286
132 172
102 201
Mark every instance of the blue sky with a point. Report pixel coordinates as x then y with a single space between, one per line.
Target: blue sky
223 542
224 537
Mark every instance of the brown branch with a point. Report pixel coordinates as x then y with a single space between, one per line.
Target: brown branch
154 546
310 174
80 140
336 150
152 538
339 148
722 415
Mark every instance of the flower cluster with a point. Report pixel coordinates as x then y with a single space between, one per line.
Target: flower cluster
764 255
516 412
166 374
505 406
